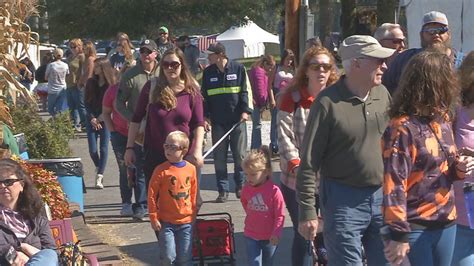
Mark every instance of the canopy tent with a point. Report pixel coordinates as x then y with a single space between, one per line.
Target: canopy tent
246 40
460 17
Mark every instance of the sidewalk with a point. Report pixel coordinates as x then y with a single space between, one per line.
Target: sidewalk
135 240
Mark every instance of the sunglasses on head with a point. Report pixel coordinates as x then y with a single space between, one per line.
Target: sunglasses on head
145 51
9 182
433 31
172 147
173 65
317 66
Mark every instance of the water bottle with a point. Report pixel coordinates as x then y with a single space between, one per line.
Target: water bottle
469 202
131 176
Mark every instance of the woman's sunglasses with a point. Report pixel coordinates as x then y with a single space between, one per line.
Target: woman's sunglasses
316 66
9 182
173 65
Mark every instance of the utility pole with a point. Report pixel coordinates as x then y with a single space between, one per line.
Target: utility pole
292 8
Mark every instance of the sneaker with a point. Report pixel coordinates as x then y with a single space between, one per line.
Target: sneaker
126 210
139 213
98 181
238 192
223 196
78 128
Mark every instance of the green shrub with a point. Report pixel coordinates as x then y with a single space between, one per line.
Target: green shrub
45 139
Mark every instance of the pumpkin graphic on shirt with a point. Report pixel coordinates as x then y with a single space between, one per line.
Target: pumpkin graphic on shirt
180 191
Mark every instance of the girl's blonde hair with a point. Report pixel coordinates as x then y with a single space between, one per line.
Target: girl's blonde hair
89 49
258 160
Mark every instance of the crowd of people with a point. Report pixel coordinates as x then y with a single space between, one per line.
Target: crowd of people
375 158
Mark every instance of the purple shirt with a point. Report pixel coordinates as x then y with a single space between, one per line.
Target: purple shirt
464 138
186 117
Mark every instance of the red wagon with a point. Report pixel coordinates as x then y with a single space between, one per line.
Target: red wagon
213 239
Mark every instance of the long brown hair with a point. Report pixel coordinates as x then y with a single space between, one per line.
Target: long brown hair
428 87
300 80
94 93
466 79
162 93
89 49
264 59
29 203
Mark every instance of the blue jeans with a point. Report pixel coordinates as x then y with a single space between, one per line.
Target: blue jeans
77 108
432 247
238 145
464 246
57 102
259 252
44 257
98 157
256 128
119 143
352 218
299 248
175 241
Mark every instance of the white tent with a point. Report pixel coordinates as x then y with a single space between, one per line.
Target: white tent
460 15
246 40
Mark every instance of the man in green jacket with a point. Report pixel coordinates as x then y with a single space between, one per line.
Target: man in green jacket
342 144
130 86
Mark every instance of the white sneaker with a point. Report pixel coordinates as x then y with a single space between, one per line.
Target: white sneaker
98 181
126 210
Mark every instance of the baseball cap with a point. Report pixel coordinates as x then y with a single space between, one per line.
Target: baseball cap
363 45
215 48
164 29
435 17
149 44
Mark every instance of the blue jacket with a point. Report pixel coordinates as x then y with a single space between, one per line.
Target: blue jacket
391 77
226 94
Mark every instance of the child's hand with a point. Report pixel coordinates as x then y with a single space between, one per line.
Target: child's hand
156 225
274 240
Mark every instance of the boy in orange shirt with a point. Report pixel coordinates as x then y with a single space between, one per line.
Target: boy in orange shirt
172 202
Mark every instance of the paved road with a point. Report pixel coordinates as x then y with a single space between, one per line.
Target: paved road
136 240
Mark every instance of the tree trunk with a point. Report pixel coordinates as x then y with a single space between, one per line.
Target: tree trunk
292 40
386 11
348 16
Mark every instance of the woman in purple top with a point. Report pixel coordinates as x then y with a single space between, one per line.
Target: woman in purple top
464 138
175 103
258 76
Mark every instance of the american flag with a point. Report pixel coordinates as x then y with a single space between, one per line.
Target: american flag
205 41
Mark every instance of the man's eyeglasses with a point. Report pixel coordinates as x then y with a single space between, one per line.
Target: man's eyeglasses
9 182
395 40
173 65
145 51
172 147
433 31
379 61
316 66
73 47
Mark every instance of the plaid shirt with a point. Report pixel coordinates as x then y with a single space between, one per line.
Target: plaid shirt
293 111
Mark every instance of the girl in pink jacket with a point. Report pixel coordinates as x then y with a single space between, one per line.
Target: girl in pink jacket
263 204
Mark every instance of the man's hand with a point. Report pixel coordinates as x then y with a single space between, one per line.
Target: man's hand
308 229
207 125
21 259
156 225
244 117
395 252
